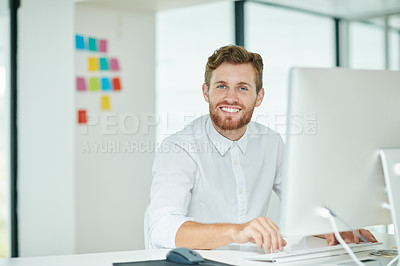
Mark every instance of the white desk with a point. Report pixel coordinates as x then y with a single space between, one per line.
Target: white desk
234 256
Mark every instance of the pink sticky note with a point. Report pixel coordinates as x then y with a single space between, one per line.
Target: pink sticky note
103 46
80 84
114 64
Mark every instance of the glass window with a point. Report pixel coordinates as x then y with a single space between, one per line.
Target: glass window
4 130
394 44
285 39
394 37
186 37
366 46
394 53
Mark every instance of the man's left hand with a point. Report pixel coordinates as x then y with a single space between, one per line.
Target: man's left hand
350 237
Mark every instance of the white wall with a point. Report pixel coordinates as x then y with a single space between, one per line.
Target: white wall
46 118
113 184
70 202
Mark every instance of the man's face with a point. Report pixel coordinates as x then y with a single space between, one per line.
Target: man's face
232 95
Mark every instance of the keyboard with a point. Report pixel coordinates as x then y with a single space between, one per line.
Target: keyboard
312 253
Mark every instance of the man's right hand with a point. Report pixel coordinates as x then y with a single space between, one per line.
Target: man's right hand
261 231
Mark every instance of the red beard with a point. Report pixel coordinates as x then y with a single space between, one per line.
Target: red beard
230 123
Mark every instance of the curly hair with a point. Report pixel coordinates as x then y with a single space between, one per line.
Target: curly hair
235 55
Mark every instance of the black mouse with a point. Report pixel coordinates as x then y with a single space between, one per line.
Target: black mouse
184 256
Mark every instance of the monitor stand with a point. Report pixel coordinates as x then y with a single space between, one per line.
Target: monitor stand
391 169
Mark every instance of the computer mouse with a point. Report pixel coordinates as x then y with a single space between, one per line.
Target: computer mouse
184 256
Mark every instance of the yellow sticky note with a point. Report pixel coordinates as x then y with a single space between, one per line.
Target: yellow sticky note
93 64
105 103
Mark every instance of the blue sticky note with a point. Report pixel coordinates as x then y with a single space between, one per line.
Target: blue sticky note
105 84
93 44
79 42
104 64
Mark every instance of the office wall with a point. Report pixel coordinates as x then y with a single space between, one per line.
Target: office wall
69 201
114 153
46 184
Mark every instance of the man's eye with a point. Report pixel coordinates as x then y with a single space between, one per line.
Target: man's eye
221 86
243 89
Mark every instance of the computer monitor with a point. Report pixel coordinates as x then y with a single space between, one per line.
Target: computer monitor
338 119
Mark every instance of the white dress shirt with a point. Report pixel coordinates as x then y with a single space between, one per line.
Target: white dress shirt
199 175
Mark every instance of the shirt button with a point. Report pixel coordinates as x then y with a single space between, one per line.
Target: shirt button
241 191
235 162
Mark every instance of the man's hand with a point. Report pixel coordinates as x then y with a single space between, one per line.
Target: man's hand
350 237
261 231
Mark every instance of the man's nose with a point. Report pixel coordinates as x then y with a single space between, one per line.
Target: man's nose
231 96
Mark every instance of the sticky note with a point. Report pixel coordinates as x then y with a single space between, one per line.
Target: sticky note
116 84
93 64
105 84
114 65
104 64
79 42
92 44
105 102
80 84
94 84
82 117
103 46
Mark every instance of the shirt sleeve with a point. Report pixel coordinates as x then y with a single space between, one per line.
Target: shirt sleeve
278 182
174 174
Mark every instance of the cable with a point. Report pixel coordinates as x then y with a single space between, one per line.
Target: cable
343 243
349 227
393 260
326 213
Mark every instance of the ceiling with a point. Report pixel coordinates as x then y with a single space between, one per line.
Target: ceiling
349 9
148 5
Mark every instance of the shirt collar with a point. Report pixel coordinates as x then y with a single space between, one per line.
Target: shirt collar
223 144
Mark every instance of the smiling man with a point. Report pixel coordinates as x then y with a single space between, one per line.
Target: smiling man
232 94
213 180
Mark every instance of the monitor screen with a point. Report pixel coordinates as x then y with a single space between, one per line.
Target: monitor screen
337 121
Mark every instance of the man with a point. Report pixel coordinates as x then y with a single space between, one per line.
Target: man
213 180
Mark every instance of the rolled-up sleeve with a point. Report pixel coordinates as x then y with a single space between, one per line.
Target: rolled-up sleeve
174 174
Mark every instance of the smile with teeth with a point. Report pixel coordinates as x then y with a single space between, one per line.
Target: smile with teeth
230 110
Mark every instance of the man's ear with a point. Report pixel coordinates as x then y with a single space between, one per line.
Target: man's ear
260 97
205 92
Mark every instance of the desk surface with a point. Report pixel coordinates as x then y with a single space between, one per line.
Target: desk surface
232 255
